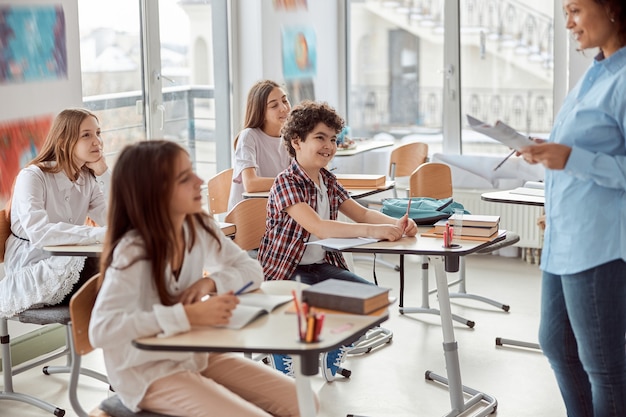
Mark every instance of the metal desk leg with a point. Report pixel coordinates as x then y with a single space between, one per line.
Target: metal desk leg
304 391
425 308
450 348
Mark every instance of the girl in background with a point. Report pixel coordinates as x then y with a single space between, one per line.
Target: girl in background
259 153
158 244
52 197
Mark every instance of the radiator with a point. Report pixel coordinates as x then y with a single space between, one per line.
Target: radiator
517 218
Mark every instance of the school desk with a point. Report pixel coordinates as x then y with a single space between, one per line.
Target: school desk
95 250
273 333
516 196
355 193
444 260
363 145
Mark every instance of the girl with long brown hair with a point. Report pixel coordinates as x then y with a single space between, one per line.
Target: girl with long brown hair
162 256
52 198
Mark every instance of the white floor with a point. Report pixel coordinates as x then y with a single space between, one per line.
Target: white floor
389 382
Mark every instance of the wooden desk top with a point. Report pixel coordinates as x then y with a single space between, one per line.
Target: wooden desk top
363 146
421 245
354 192
513 198
271 333
229 229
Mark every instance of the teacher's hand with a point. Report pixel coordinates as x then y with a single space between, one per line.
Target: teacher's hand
550 155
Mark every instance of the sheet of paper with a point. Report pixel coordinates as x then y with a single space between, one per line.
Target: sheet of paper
343 243
501 132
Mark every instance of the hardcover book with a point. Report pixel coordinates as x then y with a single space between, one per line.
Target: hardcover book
361 180
476 220
346 296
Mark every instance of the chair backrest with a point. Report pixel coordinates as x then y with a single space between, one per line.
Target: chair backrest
219 191
404 159
5 231
249 216
81 304
432 179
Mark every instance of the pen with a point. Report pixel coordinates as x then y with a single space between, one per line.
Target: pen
242 289
408 207
505 159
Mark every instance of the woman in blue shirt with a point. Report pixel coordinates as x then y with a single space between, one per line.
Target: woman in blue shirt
583 306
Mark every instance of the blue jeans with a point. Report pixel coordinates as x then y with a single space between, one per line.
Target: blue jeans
314 273
582 333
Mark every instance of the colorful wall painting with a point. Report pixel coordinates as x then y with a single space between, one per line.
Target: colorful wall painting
32 43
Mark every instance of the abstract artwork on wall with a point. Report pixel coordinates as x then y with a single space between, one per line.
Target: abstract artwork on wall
32 43
19 143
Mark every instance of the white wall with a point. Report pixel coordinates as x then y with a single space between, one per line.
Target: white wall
257 47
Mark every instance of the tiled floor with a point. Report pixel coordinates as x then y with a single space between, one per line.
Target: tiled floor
389 382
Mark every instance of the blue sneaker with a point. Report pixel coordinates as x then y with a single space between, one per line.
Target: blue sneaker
282 363
330 362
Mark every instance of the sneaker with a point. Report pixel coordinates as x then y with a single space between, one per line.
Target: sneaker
282 363
330 362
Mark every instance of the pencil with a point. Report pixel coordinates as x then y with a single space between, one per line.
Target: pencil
242 289
505 159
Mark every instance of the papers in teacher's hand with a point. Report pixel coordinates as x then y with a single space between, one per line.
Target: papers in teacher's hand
343 243
501 132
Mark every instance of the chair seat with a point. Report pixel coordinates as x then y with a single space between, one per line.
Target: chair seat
46 315
114 407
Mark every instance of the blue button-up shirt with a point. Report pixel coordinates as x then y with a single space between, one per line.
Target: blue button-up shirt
586 202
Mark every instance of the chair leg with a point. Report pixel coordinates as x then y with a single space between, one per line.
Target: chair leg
7 371
462 293
67 368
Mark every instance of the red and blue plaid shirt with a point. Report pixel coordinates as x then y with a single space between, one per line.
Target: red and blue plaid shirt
283 244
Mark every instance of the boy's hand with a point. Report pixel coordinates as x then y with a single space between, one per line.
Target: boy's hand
407 225
386 231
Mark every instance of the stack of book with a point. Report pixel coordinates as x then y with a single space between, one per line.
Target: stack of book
473 225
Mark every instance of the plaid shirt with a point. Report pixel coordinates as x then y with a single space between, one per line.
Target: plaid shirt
283 244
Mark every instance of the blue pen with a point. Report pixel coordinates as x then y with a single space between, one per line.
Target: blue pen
242 289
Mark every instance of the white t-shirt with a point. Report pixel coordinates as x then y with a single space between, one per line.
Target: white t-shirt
256 149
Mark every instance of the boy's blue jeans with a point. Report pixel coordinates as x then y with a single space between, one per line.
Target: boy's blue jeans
582 333
314 273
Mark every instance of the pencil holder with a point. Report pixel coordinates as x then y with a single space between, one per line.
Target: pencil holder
311 327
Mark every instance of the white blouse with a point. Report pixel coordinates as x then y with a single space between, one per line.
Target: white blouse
128 307
48 209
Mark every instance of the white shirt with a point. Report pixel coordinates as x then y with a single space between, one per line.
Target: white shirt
256 149
48 209
128 307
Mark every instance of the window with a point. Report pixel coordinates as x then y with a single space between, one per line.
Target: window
398 81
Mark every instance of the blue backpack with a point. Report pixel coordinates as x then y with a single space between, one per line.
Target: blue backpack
423 210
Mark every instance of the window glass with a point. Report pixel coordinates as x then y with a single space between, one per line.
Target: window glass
506 68
396 68
110 51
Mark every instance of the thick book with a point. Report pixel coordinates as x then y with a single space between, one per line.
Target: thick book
476 220
431 233
361 180
439 229
252 306
346 296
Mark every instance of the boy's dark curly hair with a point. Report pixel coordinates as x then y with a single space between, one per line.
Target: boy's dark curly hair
303 119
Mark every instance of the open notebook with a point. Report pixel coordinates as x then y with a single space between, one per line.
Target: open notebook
253 305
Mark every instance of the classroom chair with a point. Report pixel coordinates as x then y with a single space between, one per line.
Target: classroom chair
41 316
219 192
81 306
404 159
248 216
434 180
